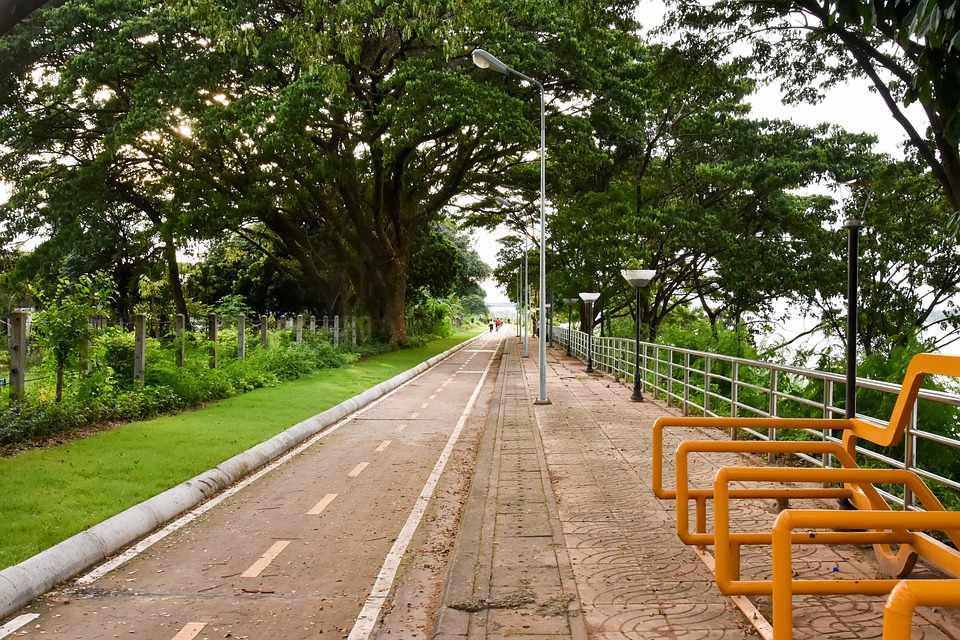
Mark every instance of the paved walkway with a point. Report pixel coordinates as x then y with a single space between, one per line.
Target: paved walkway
633 576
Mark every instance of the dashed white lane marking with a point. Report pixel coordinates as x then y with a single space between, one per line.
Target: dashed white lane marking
433 397
401 427
424 405
367 619
190 631
383 446
357 470
414 415
17 623
131 553
469 371
269 556
323 504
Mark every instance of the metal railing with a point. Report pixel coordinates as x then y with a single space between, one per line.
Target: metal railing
712 384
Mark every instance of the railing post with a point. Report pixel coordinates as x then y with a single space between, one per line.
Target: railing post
826 458
670 376
19 321
734 396
686 383
241 336
336 330
353 329
139 348
707 368
645 368
313 323
264 331
772 408
298 329
910 454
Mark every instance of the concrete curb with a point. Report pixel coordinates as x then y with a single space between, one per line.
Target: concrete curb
23 582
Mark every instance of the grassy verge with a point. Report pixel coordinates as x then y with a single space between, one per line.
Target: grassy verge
50 494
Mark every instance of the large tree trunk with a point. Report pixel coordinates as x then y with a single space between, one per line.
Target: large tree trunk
173 274
388 304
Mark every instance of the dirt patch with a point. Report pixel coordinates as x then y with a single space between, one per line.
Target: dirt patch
513 600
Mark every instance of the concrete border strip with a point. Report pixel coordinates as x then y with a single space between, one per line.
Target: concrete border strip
21 583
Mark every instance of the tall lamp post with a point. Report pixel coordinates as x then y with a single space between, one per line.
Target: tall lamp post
486 60
638 279
589 298
570 302
853 225
524 298
550 324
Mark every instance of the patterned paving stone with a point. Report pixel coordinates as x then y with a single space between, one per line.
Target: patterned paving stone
634 578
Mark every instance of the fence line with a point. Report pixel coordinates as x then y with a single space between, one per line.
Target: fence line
672 373
21 354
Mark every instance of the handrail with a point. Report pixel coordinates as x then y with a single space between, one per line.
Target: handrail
684 376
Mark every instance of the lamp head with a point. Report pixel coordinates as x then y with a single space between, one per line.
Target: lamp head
486 60
638 277
589 297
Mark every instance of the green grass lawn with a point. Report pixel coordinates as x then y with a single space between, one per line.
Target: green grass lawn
50 494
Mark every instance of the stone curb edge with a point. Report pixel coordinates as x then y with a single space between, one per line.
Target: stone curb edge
21 583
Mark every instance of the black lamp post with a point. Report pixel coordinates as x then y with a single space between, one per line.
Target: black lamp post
638 279
853 226
569 302
549 324
589 298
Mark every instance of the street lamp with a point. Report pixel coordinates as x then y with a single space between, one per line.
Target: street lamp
638 279
486 60
589 298
853 225
550 325
569 302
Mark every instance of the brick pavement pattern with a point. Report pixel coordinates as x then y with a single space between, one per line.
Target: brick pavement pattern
633 578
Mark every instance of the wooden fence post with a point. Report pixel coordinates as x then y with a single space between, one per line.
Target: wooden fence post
336 331
264 331
313 323
18 354
180 326
213 330
241 336
326 323
139 348
353 329
298 329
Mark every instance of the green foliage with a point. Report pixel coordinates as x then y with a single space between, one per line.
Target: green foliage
63 326
433 316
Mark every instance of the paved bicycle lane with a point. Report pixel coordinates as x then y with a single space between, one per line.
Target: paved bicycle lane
296 553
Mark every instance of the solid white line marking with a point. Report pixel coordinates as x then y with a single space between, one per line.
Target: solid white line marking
323 504
469 371
269 556
131 553
433 397
414 415
357 470
190 631
383 446
17 623
424 405
403 425
367 619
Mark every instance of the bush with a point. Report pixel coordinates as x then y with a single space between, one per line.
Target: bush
108 393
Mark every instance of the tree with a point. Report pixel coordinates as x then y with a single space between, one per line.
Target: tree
63 325
908 50
909 264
